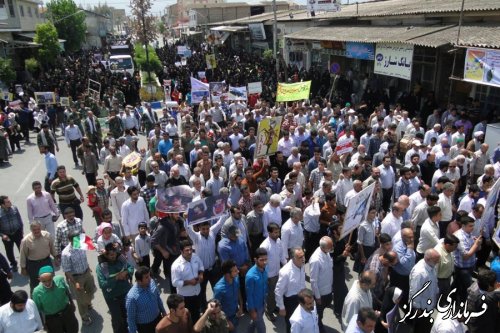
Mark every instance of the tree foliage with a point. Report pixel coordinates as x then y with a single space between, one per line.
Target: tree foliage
70 25
141 61
46 36
7 72
31 65
144 26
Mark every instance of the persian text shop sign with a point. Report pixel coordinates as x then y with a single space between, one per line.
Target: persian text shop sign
394 59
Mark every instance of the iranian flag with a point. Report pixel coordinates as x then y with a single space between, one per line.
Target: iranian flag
83 242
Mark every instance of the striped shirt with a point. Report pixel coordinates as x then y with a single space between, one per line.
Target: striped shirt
65 189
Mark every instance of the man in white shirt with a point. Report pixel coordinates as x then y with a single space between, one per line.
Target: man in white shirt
118 196
272 212
418 197
291 280
187 273
447 206
470 200
292 234
275 259
422 273
448 325
73 137
429 234
20 315
305 318
285 145
41 207
204 245
359 296
391 224
134 211
321 277
357 187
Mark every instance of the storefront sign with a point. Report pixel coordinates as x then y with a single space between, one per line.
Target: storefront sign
482 66
323 5
363 51
394 59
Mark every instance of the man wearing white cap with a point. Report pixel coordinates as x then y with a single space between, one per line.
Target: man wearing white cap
475 144
413 150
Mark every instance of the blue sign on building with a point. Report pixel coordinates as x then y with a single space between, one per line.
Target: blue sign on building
363 51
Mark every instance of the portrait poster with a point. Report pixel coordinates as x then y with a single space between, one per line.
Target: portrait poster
207 209
357 209
217 91
268 134
65 101
174 199
482 66
48 97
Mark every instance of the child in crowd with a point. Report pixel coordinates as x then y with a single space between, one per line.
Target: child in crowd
106 236
143 245
93 204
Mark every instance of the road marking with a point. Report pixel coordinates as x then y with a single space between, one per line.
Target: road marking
28 177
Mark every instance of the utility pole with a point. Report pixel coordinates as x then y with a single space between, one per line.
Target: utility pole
275 40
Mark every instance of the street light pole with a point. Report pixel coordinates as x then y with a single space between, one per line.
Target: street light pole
275 39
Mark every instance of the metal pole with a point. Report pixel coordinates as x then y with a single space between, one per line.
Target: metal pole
275 40
146 43
460 20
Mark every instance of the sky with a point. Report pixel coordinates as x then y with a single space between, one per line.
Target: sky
159 5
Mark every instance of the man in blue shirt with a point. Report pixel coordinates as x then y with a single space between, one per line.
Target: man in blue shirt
256 291
400 275
50 165
164 146
144 306
234 247
227 291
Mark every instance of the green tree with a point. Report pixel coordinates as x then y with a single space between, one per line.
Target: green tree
46 36
141 59
69 22
7 73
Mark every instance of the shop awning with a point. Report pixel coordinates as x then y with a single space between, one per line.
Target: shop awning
229 28
31 36
487 36
414 35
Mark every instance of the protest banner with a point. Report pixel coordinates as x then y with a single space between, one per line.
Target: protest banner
217 91
254 88
183 51
357 209
314 6
174 199
268 135
207 209
211 61
7 96
496 235
288 92
237 93
481 66
344 145
48 97
199 91
489 209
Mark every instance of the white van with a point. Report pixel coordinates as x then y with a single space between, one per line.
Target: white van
119 63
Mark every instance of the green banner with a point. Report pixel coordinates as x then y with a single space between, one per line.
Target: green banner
293 91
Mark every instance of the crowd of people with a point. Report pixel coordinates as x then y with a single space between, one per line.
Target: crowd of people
278 251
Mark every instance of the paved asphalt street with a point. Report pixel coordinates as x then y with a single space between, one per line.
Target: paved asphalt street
16 179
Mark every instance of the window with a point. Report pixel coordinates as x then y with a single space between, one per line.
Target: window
21 10
11 8
30 14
